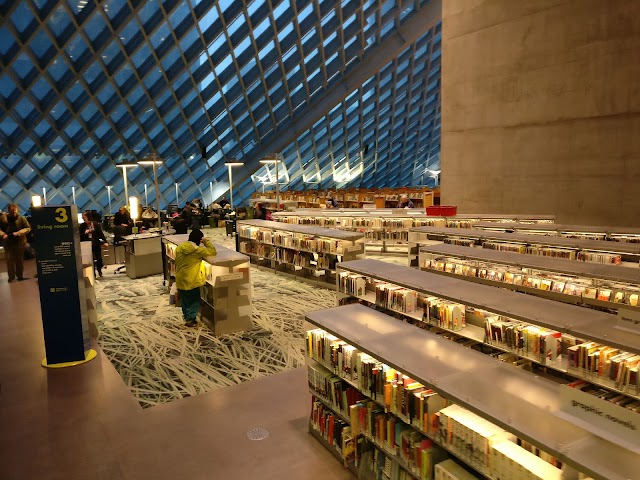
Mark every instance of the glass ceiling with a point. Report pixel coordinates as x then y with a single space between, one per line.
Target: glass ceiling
85 85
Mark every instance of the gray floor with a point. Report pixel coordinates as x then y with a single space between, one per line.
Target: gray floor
83 422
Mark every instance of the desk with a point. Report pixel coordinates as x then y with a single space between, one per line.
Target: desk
143 255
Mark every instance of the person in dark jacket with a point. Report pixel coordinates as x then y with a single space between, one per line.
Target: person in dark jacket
122 218
259 213
405 202
91 231
13 232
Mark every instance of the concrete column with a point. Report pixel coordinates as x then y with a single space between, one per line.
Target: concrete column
541 108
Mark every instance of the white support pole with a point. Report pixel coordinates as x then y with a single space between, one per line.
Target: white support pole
146 198
277 186
230 186
73 192
211 191
109 194
177 202
44 194
155 181
126 188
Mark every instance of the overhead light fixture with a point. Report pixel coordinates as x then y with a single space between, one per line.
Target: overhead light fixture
36 201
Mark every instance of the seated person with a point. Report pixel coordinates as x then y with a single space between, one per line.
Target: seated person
180 225
405 202
122 218
331 202
149 218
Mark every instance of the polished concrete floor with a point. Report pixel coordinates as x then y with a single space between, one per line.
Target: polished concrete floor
83 423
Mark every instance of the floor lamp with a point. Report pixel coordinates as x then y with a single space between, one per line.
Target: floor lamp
155 161
124 167
230 166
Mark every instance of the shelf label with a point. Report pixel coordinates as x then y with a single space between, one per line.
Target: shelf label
230 277
628 320
602 418
353 248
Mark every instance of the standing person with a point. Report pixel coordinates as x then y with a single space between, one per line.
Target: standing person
405 202
189 275
223 203
13 231
91 231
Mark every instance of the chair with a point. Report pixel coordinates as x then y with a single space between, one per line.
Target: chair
119 231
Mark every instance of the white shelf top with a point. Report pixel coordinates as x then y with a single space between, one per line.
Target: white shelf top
578 321
223 254
402 213
305 229
516 400
558 227
142 236
556 265
543 240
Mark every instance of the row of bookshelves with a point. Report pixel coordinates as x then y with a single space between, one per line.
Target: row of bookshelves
387 227
570 320
616 374
558 279
226 296
376 198
598 251
382 422
616 234
311 249
531 407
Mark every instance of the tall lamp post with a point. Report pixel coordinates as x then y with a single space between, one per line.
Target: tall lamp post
274 161
124 167
230 164
155 161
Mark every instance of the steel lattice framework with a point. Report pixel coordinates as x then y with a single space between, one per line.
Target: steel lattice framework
347 91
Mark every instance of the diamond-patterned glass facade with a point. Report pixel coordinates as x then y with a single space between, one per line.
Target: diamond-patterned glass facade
87 84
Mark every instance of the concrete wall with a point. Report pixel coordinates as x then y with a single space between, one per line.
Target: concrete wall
541 108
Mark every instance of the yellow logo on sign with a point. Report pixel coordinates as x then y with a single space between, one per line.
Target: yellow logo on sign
61 215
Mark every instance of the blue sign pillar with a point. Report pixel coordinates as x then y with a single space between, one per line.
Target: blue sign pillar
61 284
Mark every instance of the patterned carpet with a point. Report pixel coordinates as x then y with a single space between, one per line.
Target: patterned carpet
161 360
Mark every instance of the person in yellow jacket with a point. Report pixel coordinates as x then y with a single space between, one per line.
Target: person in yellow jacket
189 274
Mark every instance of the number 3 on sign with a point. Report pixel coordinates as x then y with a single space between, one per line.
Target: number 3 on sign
61 215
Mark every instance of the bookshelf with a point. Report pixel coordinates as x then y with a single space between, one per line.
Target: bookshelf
598 251
385 230
353 198
226 296
522 404
307 253
593 232
567 319
581 283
